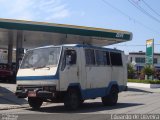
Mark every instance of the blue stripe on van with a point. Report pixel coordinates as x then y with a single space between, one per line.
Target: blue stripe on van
97 92
38 77
94 93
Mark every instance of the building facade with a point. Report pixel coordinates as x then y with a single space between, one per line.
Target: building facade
138 59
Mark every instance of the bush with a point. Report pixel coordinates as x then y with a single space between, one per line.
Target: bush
131 71
148 70
144 81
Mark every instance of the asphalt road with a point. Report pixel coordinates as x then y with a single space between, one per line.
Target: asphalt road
134 101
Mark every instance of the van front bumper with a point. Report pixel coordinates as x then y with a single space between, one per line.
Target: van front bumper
36 91
40 94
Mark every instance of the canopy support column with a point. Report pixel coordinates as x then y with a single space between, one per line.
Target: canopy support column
19 43
10 46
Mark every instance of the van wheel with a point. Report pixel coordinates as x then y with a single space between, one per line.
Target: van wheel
112 98
81 102
72 100
35 103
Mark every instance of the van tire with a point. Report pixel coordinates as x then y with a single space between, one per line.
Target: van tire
72 99
81 102
112 98
35 103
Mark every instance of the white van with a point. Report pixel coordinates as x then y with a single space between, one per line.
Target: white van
71 74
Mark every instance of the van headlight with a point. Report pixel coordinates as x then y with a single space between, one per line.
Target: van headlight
19 87
49 88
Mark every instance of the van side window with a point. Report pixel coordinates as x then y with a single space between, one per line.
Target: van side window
90 57
108 58
116 59
69 58
101 58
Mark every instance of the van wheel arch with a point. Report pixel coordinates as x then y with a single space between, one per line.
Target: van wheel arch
77 88
115 86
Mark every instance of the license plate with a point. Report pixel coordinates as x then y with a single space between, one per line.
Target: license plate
31 94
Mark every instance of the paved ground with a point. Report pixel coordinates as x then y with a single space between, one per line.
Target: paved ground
8 100
134 101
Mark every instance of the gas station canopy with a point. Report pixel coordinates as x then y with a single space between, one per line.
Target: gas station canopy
36 34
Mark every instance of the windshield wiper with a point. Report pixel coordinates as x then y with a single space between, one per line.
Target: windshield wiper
40 67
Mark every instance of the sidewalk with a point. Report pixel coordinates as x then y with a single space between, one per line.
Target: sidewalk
153 90
8 100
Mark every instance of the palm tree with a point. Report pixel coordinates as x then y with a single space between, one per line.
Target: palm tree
148 70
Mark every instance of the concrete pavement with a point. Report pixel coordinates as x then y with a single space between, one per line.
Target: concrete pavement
134 101
8 100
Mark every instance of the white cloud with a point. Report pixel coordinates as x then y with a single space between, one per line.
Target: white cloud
58 12
37 10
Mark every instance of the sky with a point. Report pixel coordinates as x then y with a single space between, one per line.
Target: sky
110 14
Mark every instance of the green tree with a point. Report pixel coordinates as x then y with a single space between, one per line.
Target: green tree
131 71
148 70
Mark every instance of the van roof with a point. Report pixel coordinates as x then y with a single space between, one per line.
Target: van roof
79 45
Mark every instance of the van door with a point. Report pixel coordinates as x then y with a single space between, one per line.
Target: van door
117 67
99 70
90 67
69 71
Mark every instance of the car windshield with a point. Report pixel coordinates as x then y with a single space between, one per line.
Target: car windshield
39 58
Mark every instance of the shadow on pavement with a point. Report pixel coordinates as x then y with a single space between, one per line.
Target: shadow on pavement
86 108
8 97
138 90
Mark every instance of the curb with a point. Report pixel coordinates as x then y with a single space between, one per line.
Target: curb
14 107
153 90
20 106
143 85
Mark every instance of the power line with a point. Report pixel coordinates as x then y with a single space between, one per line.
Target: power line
130 45
107 3
130 18
137 45
150 7
143 11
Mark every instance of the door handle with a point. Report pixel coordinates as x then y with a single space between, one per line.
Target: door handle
77 73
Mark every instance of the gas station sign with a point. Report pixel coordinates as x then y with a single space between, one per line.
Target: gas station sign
149 51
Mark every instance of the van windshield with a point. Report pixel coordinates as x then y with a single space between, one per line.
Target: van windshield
39 58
